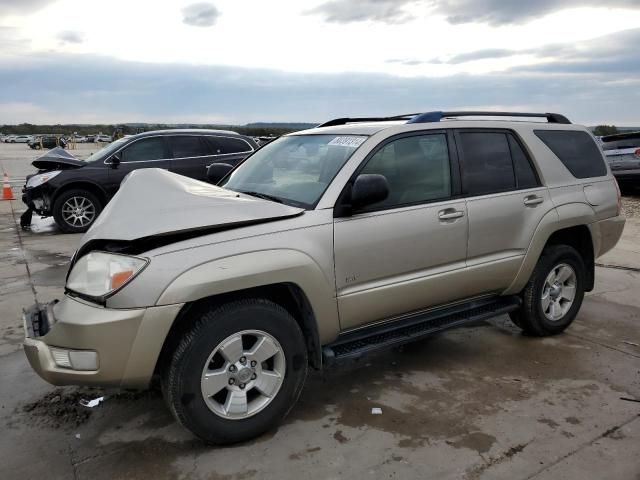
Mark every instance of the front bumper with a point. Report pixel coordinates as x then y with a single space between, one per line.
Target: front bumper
37 199
127 342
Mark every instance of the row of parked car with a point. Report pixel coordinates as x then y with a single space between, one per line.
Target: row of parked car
34 141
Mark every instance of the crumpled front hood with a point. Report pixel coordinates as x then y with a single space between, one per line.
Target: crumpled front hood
57 159
153 202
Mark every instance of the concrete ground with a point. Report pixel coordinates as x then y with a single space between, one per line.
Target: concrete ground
479 402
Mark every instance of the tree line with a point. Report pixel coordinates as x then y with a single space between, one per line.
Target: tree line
109 129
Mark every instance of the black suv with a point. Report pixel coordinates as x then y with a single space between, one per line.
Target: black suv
76 191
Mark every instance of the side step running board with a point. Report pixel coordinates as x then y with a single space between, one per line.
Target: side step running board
351 345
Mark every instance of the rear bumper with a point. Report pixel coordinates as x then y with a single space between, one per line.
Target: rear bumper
606 233
125 343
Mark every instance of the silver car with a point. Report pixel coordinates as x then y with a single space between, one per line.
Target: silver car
320 247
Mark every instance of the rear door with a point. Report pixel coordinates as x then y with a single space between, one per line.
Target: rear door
146 152
408 252
505 203
191 155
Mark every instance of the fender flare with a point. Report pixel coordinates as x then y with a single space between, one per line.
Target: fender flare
261 269
564 216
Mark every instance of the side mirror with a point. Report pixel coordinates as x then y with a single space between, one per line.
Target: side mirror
217 171
369 189
115 160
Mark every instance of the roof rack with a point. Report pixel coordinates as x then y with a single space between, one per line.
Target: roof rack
437 116
344 121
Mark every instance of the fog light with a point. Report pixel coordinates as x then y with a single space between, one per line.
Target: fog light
61 357
75 359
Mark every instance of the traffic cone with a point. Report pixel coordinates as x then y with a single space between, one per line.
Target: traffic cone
7 193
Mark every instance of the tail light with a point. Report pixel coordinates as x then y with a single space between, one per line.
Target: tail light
619 196
637 152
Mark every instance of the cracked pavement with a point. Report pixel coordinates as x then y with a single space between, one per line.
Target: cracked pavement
477 402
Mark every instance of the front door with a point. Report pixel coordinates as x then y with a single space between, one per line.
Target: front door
147 152
407 252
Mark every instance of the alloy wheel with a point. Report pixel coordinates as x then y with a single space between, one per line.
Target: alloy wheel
558 292
78 211
243 374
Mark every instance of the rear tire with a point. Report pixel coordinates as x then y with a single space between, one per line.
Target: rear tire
75 210
217 383
553 296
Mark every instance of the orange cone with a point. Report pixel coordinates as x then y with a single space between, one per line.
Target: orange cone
7 193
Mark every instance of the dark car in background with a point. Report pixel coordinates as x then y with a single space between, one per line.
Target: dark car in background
622 152
48 141
75 191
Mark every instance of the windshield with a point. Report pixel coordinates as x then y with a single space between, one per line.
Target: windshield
104 152
295 170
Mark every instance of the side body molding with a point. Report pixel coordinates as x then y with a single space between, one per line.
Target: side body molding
261 268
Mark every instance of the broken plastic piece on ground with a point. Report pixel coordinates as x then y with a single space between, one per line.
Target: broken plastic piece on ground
92 403
376 411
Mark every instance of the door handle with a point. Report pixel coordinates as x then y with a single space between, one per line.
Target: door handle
533 200
450 214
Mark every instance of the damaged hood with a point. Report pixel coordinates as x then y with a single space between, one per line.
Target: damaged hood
57 159
153 203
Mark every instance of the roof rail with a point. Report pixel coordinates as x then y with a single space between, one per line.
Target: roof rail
344 121
437 116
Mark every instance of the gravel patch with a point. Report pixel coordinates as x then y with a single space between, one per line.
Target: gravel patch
631 206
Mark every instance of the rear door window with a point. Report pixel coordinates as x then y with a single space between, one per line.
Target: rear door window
576 150
188 146
525 175
227 145
145 149
486 162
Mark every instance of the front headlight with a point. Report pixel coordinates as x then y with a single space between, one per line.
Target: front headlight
41 178
99 274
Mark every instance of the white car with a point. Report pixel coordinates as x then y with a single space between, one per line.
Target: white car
21 139
102 138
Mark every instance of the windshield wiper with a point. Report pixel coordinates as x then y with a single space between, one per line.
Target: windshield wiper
264 196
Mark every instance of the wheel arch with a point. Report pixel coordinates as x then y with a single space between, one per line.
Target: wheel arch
80 185
564 229
288 295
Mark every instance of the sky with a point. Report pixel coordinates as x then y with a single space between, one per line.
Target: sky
240 61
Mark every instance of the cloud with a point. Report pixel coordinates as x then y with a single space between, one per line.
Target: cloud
70 36
200 14
501 12
597 55
348 11
591 83
489 53
492 12
21 7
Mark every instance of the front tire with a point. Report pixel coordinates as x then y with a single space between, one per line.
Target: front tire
237 371
75 210
553 296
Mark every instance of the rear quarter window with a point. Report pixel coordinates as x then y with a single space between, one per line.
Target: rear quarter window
576 150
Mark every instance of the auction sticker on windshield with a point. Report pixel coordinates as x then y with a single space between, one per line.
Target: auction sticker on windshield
348 141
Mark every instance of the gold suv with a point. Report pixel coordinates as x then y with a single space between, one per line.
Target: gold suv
324 245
